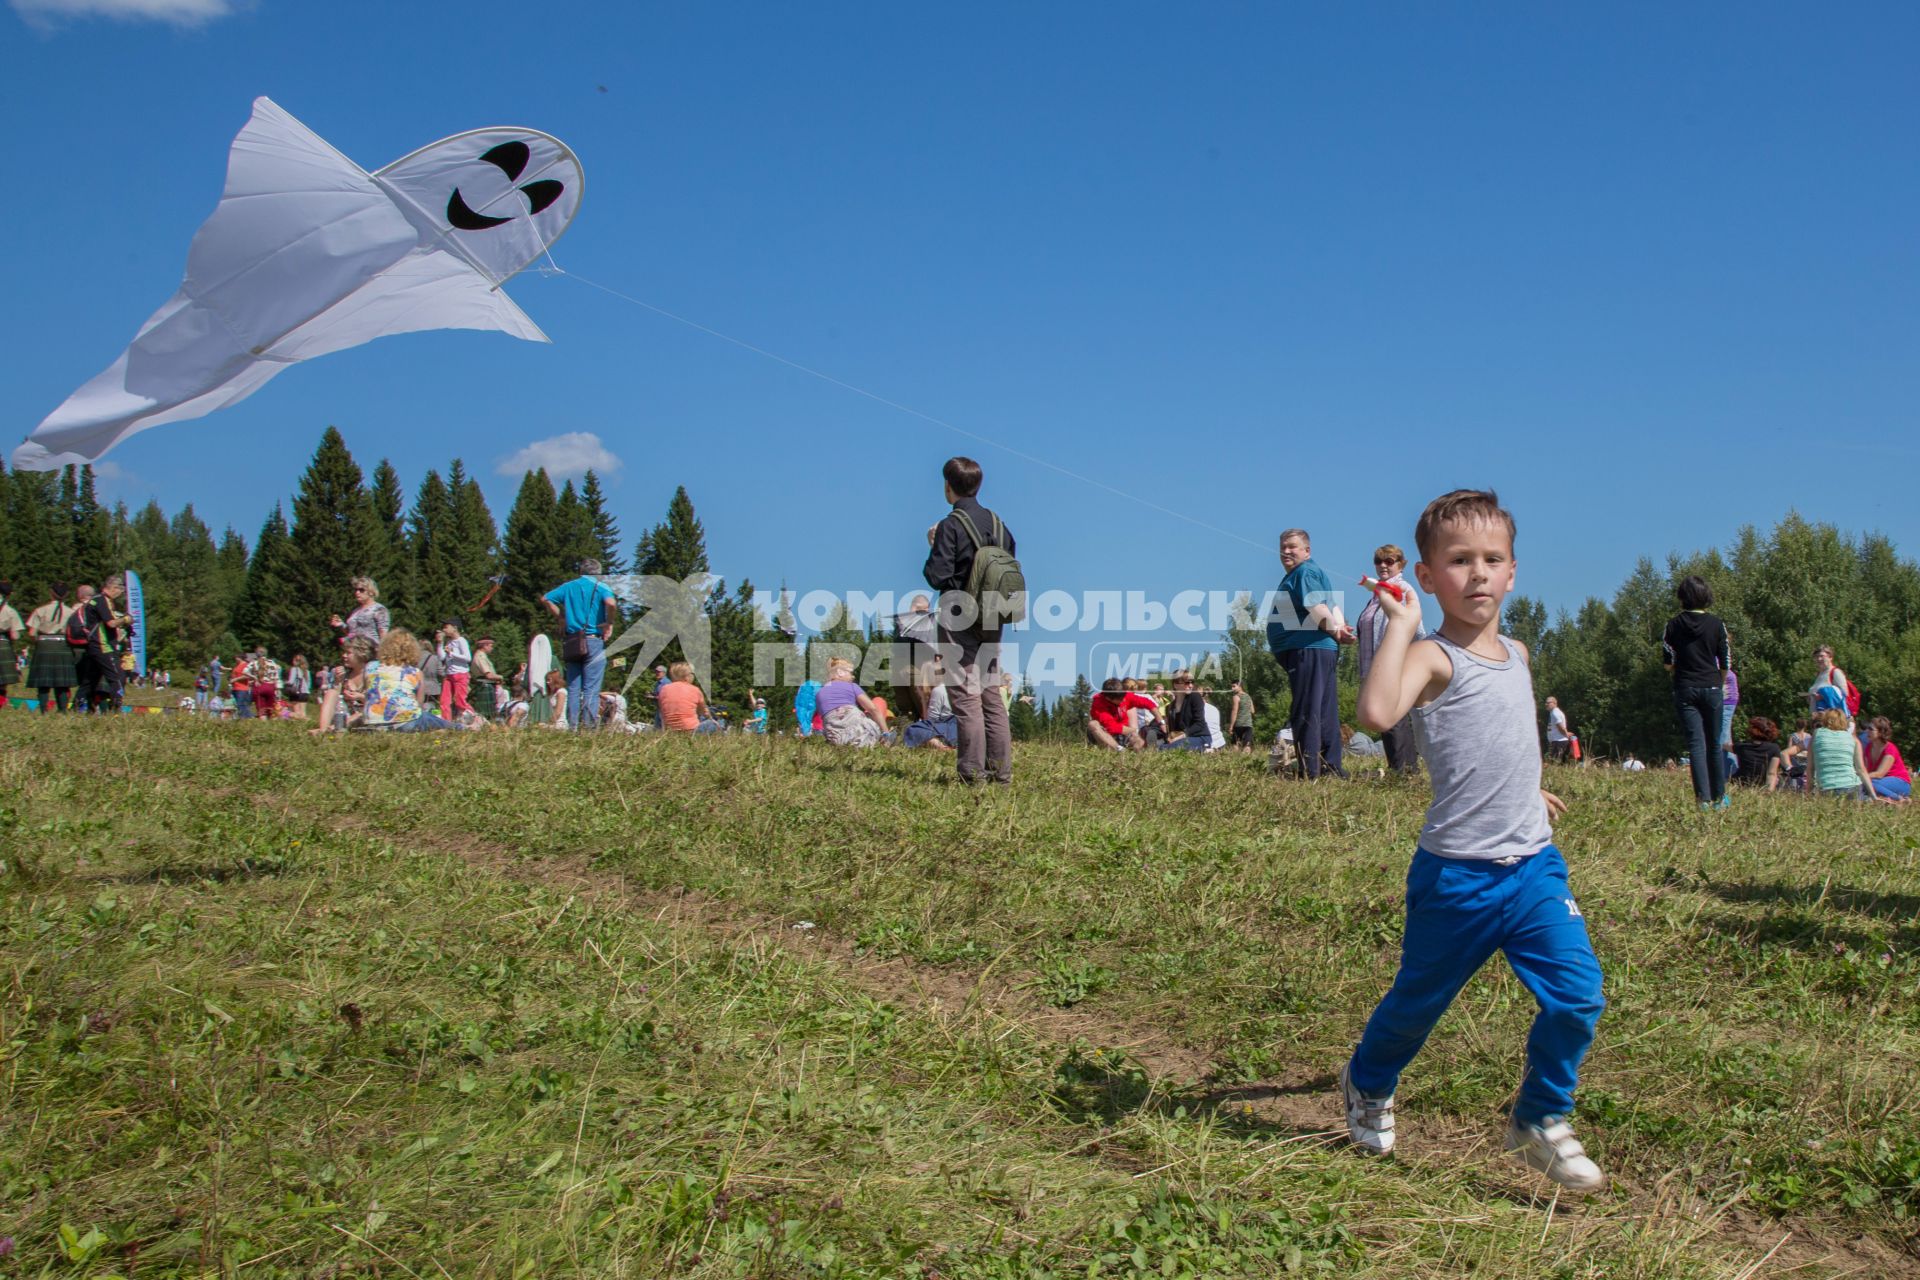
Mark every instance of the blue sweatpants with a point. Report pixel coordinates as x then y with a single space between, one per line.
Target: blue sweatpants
1459 913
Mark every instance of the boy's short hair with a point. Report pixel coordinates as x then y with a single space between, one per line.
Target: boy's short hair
1112 684
1390 551
1462 506
962 476
1694 592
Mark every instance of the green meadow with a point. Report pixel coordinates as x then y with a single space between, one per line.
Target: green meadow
532 1005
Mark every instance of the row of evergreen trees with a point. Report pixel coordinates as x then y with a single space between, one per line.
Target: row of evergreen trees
444 557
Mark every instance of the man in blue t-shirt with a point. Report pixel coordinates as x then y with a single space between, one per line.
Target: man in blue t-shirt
1305 634
586 609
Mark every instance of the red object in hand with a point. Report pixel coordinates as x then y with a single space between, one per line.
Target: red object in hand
1374 584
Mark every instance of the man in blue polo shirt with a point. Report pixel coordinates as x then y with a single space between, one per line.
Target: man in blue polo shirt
1305 634
586 609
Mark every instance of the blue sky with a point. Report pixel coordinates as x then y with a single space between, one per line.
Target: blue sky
1651 271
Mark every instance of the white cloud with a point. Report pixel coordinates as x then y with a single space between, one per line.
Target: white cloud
112 473
183 13
571 454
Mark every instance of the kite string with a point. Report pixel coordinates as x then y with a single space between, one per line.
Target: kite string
555 269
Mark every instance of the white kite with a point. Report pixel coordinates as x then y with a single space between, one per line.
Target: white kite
308 253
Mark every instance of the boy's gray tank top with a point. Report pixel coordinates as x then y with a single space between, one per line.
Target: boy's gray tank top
1482 749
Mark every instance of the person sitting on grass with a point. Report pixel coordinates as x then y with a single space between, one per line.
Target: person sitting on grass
683 707
613 712
1110 717
937 730
1761 761
393 688
846 712
1797 756
1889 775
1188 721
1149 722
556 698
1485 876
1839 765
341 704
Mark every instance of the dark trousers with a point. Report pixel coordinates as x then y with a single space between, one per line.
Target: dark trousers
100 676
1699 708
1312 674
1403 753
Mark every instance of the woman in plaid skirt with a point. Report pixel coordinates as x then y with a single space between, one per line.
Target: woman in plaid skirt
52 671
9 636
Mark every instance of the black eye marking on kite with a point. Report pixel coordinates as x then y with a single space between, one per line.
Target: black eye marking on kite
510 158
466 219
543 193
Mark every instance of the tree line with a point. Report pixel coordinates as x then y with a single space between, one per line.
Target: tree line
443 556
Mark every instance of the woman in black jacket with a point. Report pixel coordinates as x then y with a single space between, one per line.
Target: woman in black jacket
1696 651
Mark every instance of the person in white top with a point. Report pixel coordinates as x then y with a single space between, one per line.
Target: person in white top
1559 741
1633 764
1214 730
1832 677
456 669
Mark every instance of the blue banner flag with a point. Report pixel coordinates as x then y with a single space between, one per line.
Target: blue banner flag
137 610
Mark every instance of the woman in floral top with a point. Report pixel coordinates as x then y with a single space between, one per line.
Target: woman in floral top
369 616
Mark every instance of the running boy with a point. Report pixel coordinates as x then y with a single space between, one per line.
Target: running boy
1486 876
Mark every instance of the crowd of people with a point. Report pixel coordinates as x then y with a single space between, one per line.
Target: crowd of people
72 652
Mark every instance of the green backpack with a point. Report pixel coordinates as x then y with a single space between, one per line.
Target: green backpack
995 576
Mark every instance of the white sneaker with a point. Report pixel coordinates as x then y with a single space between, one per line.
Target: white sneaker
1551 1148
1369 1120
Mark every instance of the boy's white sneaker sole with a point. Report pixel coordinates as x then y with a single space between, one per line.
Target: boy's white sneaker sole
1552 1149
1369 1120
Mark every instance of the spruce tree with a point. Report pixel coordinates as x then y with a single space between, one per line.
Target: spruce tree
195 621
431 524
576 522
535 553
676 547
258 617
1023 717
9 561
1070 713
472 548
93 551
229 575
606 531
394 568
42 535
733 629
335 538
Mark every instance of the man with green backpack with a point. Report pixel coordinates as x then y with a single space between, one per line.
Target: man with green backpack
971 564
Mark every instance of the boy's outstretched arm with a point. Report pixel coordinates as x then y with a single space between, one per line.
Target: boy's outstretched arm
1402 670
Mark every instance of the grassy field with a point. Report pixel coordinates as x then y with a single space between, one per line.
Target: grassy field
526 1005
